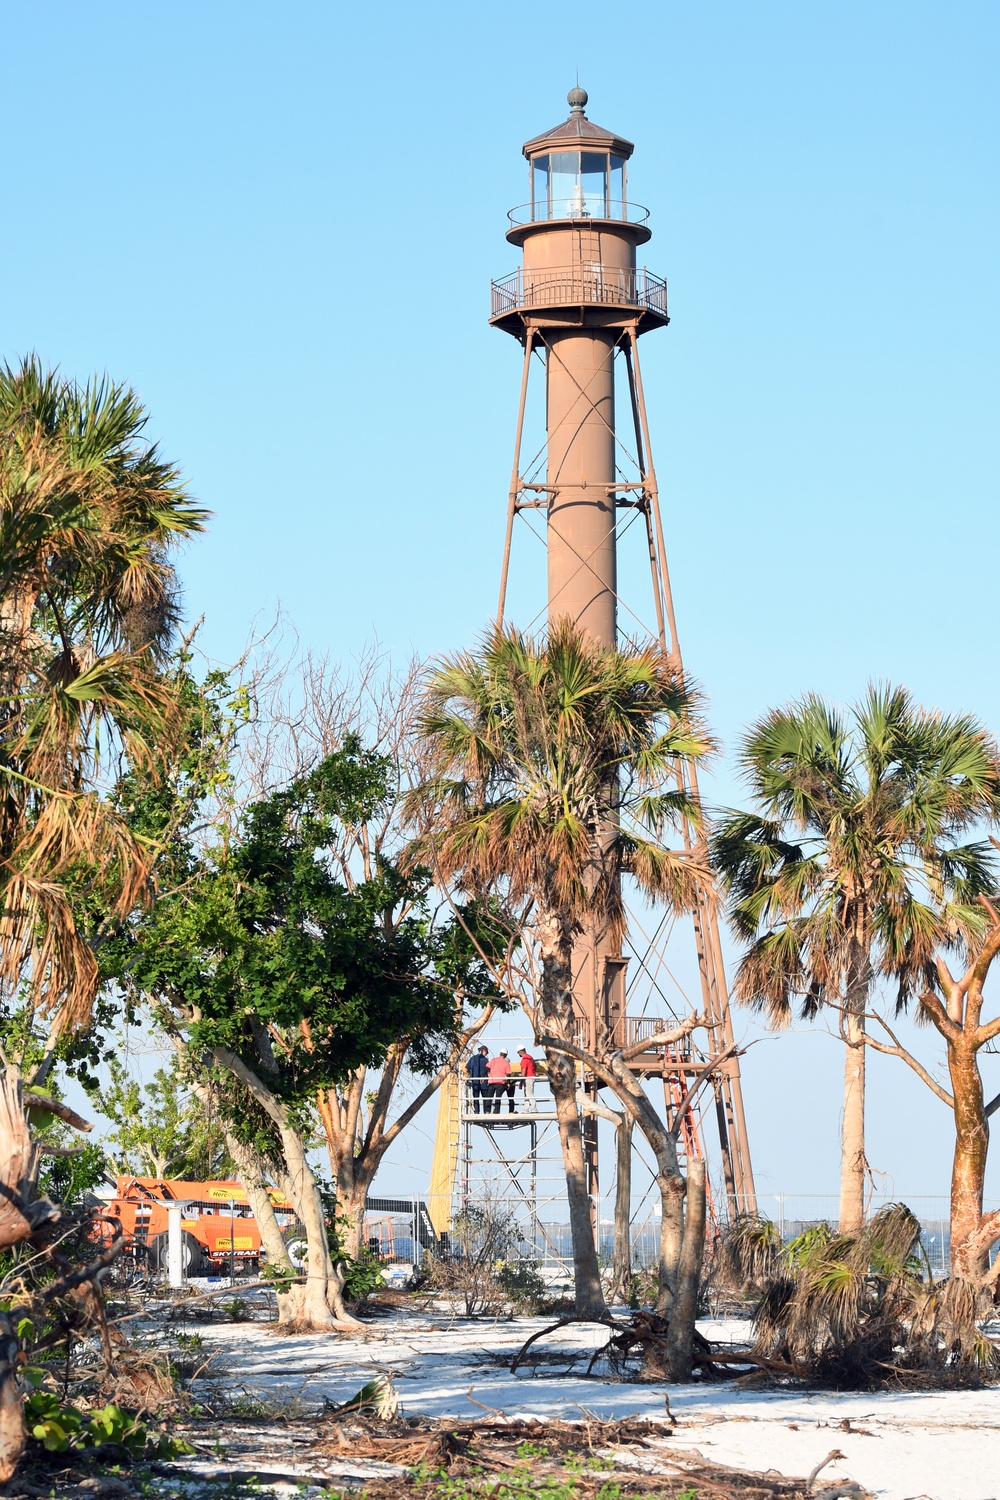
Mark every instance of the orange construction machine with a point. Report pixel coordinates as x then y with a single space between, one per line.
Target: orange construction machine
220 1230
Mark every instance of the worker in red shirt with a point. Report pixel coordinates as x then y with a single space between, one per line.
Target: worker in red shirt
528 1071
500 1083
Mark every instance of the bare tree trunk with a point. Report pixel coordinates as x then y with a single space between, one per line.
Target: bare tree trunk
253 1176
321 1301
672 1191
13 1433
254 1180
956 1014
555 942
351 1215
853 1163
669 1181
969 1255
589 1295
680 1337
21 1214
621 1269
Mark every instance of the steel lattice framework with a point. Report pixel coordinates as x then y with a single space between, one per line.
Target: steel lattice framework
578 306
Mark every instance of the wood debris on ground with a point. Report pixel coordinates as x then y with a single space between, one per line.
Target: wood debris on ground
405 1457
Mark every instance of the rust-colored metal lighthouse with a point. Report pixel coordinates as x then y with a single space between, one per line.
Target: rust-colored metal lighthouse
580 301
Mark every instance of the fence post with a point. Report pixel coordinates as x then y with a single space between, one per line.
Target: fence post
175 1246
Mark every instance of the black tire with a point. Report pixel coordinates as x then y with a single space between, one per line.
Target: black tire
192 1254
298 1251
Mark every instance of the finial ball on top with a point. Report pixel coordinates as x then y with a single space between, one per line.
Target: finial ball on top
577 99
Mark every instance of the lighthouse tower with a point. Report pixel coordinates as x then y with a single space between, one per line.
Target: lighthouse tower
578 304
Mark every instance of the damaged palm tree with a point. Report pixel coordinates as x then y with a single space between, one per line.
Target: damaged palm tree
855 1311
552 773
88 516
854 865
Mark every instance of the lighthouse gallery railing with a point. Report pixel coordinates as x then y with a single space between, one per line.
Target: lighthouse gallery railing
574 286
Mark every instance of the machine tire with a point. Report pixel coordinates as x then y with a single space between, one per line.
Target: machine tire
192 1253
298 1251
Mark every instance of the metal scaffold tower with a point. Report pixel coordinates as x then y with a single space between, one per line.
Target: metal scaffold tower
509 1160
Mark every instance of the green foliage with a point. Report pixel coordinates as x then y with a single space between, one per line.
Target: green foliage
528 1449
362 1276
237 1310
162 1128
854 1311
59 1428
643 1288
280 1277
67 1180
852 863
523 1286
536 749
266 935
525 1483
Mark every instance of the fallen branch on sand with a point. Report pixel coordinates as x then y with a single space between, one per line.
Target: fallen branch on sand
492 1456
554 1328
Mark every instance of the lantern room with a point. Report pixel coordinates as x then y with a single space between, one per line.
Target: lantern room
578 185
577 171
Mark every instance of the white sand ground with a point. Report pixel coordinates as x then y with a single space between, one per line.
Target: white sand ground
909 1446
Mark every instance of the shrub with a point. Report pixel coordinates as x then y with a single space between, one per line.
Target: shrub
484 1270
856 1311
61 1429
362 1276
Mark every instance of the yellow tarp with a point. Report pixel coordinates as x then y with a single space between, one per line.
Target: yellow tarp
445 1156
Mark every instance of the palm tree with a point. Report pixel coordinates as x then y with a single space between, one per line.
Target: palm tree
88 607
89 514
552 772
849 871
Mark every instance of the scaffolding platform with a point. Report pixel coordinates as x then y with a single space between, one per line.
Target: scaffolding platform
509 1118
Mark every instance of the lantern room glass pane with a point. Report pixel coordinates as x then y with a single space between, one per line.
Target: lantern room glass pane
616 188
540 188
566 201
594 183
575 184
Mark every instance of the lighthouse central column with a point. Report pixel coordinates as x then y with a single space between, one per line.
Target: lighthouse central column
580 419
582 566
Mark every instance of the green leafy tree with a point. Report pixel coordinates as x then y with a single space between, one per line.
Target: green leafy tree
70 1179
853 868
162 1128
271 969
552 772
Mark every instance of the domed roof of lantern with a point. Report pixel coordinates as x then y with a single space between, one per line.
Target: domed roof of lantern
578 131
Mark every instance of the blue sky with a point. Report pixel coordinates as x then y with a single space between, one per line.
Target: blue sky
280 222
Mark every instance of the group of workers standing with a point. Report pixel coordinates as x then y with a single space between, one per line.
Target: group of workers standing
490 1078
